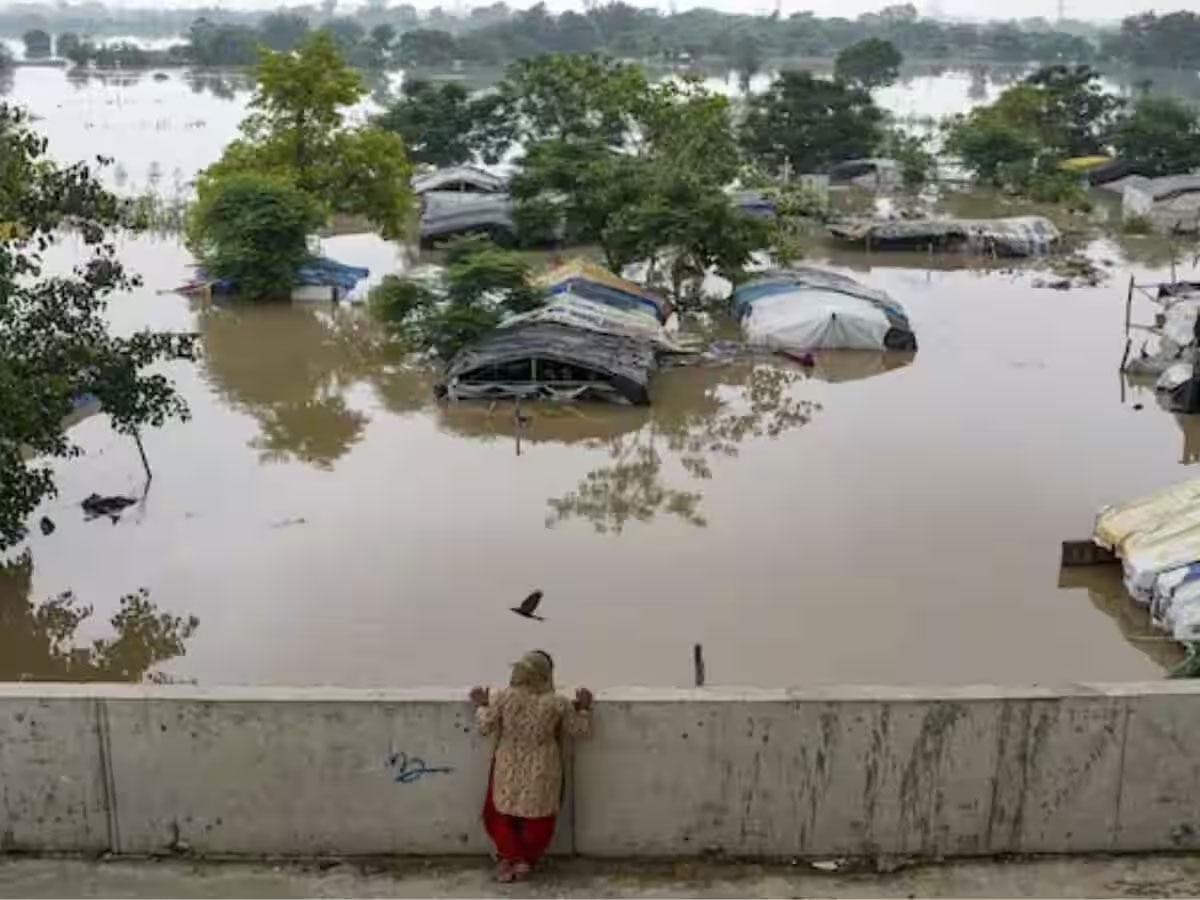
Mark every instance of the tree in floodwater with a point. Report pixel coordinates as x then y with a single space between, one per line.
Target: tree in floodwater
482 283
297 132
434 120
806 123
38 44
38 642
55 345
869 64
252 230
1161 136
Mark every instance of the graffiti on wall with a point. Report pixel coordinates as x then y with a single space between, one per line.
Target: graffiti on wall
408 769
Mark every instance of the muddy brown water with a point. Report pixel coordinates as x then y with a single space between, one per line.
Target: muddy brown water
876 520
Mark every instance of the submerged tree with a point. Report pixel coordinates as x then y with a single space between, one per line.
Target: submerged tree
55 345
806 124
437 122
1161 136
38 643
869 64
297 132
252 230
38 44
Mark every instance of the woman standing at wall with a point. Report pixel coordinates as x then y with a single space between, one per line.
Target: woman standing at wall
525 786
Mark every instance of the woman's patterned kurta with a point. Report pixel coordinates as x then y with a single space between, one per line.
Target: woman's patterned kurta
527 775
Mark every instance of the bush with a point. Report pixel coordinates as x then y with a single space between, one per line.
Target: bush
481 284
252 229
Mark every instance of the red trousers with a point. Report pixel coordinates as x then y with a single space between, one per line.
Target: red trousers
517 839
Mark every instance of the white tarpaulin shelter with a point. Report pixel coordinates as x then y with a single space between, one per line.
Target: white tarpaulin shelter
821 320
802 309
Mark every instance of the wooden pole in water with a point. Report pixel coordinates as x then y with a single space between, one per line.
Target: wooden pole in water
1129 308
698 665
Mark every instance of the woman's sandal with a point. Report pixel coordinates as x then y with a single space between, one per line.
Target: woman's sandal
521 871
504 872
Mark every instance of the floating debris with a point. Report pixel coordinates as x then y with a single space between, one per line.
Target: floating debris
95 507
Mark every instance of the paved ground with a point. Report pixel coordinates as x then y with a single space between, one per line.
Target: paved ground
1175 876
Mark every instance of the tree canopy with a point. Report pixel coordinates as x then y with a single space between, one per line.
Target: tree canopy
37 44
808 123
439 123
1161 136
55 346
297 131
869 64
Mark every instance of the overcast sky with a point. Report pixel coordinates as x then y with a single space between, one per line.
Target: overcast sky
1092 9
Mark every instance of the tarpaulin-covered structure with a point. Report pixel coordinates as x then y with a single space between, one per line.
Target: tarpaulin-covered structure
587 279
1011 237
320 278
797 310
597 337
550 361
1157 538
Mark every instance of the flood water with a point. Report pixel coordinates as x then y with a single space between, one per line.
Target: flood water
877 520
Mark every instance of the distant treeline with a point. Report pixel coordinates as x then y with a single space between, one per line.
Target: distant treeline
381 36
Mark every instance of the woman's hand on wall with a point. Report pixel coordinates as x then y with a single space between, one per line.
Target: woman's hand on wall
479 697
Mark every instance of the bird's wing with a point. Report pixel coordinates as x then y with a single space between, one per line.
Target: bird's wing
531 602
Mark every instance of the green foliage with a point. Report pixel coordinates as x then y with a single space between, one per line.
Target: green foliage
1161 135
427 48
911 151
1074 112
1169 41
586 98
869 64
40 643
1018 141
638 169
282 30
988 146
253 230
807 123
54 338
210 44
436 122
37 44
296 131
481 284
477 268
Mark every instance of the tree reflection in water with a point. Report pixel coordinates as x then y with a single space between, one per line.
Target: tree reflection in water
291 368
37 642
692 426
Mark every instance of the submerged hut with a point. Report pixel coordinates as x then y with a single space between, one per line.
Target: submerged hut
794 311
1011 237
597 338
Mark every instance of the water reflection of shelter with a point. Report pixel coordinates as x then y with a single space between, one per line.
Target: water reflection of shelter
836 366
1107 593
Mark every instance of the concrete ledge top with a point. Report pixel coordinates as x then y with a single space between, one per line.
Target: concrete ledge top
825 694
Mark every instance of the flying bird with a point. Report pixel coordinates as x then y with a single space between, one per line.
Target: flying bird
47 526
529 605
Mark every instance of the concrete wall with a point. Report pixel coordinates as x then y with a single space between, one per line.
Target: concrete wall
845 771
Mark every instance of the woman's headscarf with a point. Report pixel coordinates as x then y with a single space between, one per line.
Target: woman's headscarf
534 671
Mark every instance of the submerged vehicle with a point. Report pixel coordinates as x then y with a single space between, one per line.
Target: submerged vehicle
794 311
